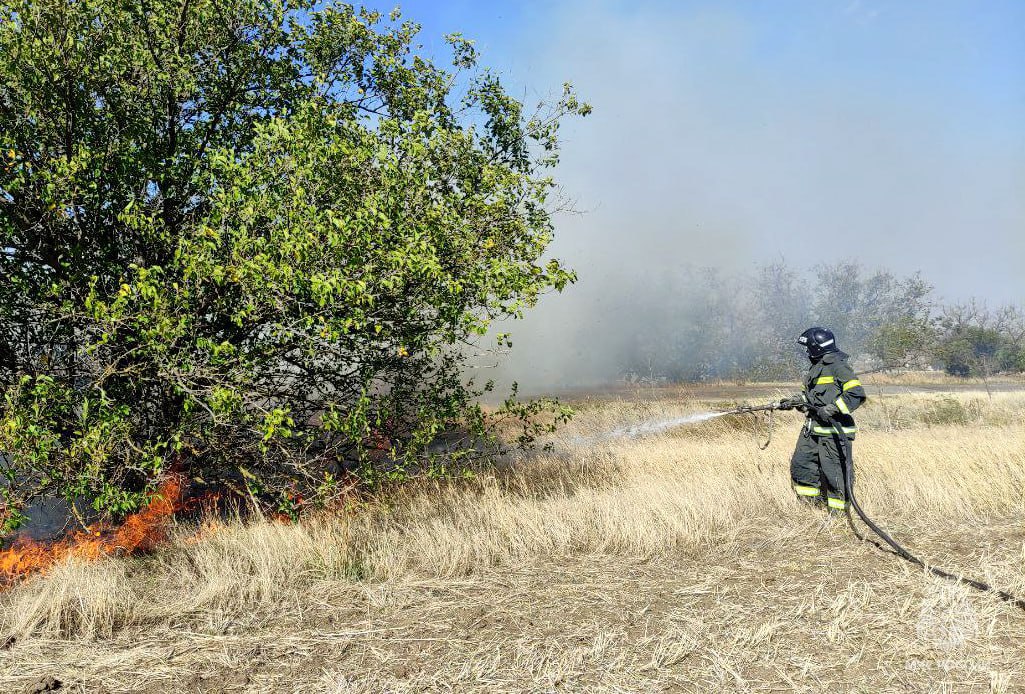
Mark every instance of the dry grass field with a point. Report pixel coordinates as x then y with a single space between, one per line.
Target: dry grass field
675 562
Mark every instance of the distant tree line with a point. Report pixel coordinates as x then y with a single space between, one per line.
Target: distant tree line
710 324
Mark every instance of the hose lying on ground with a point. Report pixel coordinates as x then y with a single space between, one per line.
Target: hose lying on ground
848 481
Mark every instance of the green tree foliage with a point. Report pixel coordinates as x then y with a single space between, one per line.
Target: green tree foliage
256 239
904 341
970 351
973 340
876 313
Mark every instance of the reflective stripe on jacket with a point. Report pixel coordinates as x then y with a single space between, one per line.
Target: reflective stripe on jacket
831 381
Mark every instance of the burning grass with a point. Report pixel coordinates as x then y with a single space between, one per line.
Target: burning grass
140 531
675 561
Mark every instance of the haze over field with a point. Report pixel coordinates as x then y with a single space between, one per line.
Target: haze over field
733 134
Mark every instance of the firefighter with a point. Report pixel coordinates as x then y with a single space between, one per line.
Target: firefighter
830 394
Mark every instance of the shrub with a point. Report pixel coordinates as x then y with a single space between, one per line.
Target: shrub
256 240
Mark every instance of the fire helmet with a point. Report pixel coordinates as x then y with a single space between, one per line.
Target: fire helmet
818 341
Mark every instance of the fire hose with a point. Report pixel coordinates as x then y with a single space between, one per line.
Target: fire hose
752 409
847 456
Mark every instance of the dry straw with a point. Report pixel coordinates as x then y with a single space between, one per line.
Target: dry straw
521 578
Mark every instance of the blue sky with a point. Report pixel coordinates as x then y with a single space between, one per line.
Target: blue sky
732 133
908 116
934 47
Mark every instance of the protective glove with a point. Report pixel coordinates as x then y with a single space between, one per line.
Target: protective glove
826 412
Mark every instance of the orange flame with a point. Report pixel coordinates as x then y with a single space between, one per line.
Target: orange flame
139 532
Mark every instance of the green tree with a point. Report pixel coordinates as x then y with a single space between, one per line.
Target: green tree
906 340
977 341
970 351
878 313
254 239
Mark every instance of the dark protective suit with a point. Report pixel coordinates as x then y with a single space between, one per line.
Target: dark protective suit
816 465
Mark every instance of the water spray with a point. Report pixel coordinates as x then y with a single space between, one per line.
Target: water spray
657 426
652 426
